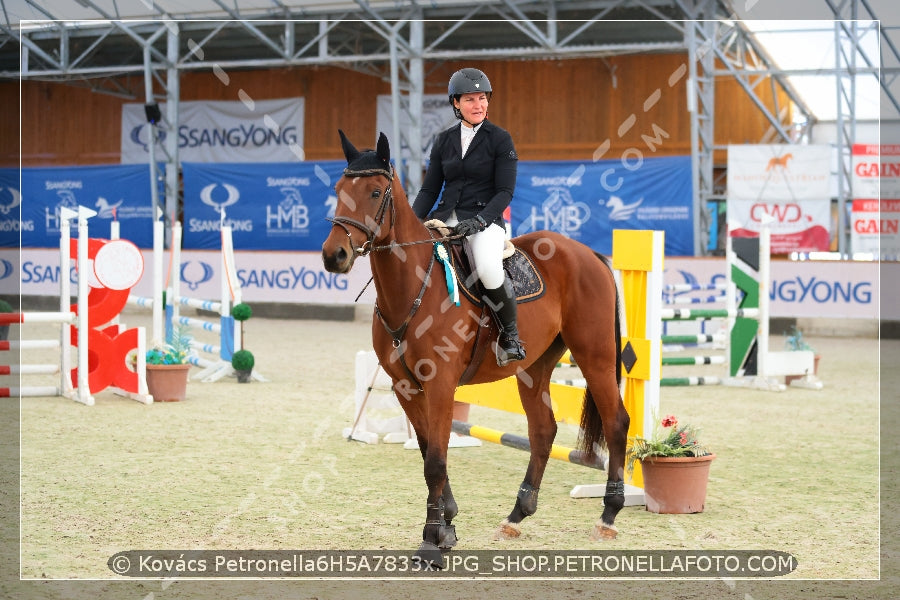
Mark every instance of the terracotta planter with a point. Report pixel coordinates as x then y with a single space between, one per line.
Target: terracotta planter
167 383
789 378
676 484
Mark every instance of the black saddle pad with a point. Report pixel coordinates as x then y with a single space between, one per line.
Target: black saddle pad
528 283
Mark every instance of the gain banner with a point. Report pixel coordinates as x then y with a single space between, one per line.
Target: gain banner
218 131
790 184
876 200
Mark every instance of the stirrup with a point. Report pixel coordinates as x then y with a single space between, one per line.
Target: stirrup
510 351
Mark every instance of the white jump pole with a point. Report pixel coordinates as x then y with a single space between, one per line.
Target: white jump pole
765 282
84 391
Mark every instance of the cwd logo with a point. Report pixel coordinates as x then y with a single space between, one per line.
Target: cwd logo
559 212
291 215
779 162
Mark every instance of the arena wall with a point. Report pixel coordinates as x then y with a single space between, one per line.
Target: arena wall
555 109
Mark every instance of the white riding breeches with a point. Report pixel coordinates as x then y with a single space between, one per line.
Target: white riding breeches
485 250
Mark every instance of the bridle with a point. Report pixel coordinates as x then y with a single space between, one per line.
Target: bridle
386 199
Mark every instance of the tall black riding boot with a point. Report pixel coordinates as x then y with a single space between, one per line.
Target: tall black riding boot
502 301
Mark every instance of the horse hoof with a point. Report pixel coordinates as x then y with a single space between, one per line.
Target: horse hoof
507 531
448 538
602 531
428 557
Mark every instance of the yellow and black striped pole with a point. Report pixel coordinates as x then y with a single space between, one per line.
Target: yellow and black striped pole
638 256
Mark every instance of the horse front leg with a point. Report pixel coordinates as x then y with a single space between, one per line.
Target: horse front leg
438 535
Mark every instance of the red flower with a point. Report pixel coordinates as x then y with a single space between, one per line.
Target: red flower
669 421
683 438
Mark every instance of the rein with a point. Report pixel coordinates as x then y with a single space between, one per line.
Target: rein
369 246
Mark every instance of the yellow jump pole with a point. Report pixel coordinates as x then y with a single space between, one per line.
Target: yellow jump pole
638 256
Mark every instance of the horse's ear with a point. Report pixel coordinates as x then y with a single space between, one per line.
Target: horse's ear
350 151
383 149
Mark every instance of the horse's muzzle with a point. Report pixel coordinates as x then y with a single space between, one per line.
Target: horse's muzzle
337 260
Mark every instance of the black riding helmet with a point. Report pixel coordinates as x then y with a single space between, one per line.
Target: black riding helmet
467 81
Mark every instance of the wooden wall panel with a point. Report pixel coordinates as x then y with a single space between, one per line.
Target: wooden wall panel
555 109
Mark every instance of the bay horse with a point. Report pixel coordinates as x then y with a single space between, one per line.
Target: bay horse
425 342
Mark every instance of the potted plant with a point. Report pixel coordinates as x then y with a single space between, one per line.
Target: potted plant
167 367
5 307
794 341
675 467
242 361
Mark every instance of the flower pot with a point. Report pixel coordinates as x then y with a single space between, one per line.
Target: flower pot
243 375
167 383
676 484
789 378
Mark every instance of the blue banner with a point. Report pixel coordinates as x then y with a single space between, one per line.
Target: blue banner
587 200
10 204
269 206
114 191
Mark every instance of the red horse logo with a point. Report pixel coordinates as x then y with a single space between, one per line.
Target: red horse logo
779 161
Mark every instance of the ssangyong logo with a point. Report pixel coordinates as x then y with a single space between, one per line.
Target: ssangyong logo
206 196
206 273
16 199
143 140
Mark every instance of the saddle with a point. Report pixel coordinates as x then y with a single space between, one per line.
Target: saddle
528 285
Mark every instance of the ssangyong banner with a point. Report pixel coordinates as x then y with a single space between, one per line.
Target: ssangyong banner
787 184
875 184
436 117
826 289
269 206
219 131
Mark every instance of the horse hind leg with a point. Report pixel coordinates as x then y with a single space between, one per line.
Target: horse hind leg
604 419
534 391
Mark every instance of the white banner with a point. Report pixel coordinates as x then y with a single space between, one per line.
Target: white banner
829 289
260 131
790 184
875 219
437 115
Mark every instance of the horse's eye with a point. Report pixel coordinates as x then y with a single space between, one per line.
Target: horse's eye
376 193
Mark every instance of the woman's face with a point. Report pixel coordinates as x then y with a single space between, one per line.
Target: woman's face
473 107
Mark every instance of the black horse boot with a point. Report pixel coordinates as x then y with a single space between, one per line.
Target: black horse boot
502 301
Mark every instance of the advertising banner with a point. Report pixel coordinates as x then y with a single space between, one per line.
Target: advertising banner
790 184
120 192
10 206
436 117
218 131
270 206
587 200
875 184
826 289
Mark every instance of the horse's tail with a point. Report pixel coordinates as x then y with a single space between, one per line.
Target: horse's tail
590 439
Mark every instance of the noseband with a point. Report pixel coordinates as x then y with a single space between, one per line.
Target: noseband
386 199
